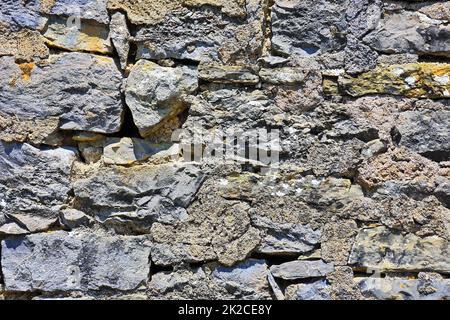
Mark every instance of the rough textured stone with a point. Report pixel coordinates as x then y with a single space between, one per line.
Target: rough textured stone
227 74
62 261
33 184
308 28
127 151
402 289
120 37
35 91
409 32
156 94
135 198
426 132
245 281
420 80
382 249
318 290
175 31
23 45
301 270
89 36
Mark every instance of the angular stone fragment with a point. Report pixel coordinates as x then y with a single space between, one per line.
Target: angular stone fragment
227 74
307 28
381 248
78 261
72 218
95 10
405 32
120 37
35 91
301 269
88 36
426 132
247 280
286 238
184 284
126 151
33 184
156 94
318 290
402 289
421 80
202 32
136 197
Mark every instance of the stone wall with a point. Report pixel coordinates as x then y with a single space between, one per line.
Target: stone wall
99 201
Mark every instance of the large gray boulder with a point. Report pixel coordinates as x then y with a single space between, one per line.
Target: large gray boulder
75 261
54 89
137 197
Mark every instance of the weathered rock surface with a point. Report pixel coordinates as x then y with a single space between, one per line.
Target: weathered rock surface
62 261
306 28
301 270
24 45
247 281
135 198
422 80
88 36
231 36
402 289
35 91
120 37
318 290
382 249
157 94
33 185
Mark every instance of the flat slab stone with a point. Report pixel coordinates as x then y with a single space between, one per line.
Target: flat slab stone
62 261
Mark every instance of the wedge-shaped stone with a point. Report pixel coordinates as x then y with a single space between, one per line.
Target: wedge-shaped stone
156 93
415 80
80 89
381 248
75 261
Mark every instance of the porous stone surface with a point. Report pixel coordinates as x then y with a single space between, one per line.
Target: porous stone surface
224 149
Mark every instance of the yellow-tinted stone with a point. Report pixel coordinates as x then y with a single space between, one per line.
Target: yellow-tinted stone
92 37
24 45
153 11
414 80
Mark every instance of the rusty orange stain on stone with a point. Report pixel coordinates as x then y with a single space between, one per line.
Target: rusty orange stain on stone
26 69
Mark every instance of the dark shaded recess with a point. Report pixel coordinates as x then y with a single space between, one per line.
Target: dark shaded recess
438 155
128 128
396 135
433 58
154 269
276 259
